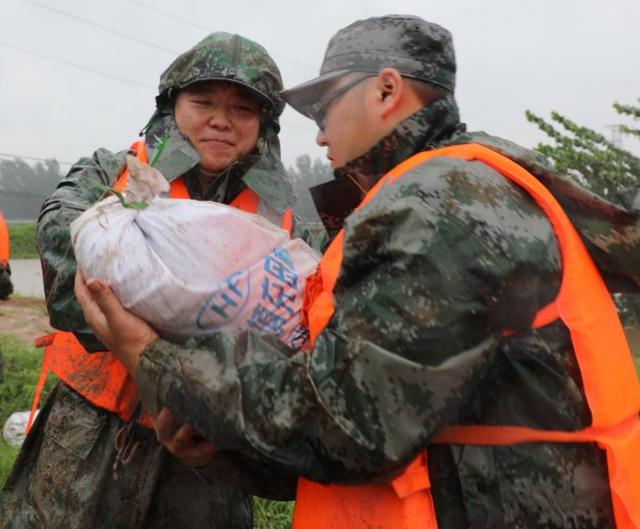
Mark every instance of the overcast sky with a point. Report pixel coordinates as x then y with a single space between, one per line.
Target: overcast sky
77 75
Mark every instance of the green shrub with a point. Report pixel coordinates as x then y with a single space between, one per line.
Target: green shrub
21 371
21 366
272 514
22 238
7 457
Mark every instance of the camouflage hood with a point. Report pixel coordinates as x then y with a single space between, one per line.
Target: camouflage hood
236 59
226 57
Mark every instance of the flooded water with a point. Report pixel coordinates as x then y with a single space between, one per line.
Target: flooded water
26 275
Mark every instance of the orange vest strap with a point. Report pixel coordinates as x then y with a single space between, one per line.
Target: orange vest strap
178 189
99 377
4 241
42 341
287 221
139 148
247 201
317 307
621 444
546 315
414 478
511 435
178 186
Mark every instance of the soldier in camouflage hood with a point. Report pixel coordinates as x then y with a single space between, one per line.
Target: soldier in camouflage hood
6 286
428 320
64 476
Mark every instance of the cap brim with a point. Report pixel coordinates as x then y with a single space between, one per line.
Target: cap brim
259 95
304 95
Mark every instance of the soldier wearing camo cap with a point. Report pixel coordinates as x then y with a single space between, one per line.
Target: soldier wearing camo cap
88 462
467 368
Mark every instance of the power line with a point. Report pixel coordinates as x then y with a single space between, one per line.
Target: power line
103 28
77 66
171 16
208 30
34 158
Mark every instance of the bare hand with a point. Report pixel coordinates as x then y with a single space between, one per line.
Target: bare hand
124 334
182 441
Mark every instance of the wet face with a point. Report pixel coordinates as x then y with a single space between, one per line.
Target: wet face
221 120
347 125
360 109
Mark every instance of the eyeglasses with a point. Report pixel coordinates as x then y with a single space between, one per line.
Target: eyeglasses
318 111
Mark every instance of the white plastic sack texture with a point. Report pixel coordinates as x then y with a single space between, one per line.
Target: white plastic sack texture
14 429
190 267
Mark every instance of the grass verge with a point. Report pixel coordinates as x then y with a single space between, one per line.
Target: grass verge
23 241
21 366
272 514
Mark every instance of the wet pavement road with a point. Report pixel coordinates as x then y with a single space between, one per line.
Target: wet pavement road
26 275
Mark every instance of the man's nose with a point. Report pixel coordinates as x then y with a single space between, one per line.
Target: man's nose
321 138
219 117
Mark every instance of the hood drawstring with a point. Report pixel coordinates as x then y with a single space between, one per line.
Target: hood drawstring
126 442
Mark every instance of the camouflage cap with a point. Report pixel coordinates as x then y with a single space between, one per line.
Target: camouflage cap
416 48
226 57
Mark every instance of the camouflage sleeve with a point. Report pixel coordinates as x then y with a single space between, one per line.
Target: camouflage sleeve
75 193
253 477
412 336
6 286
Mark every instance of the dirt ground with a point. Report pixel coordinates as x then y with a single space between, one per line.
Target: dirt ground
25 318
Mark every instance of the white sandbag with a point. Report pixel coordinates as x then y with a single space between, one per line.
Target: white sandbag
190 267
15 427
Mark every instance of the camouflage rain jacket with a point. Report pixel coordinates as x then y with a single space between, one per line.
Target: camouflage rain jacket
6 286
434 268
63 477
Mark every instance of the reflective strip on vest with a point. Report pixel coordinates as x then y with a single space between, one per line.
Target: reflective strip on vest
4 242
610 383
100 377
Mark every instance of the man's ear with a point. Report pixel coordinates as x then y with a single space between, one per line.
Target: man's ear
390 88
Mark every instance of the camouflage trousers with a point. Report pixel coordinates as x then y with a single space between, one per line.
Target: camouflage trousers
63 479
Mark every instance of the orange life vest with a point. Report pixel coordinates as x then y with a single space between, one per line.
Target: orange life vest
608 373
4 242
100 377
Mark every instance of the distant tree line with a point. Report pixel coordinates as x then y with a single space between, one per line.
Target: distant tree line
306 174
23 187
